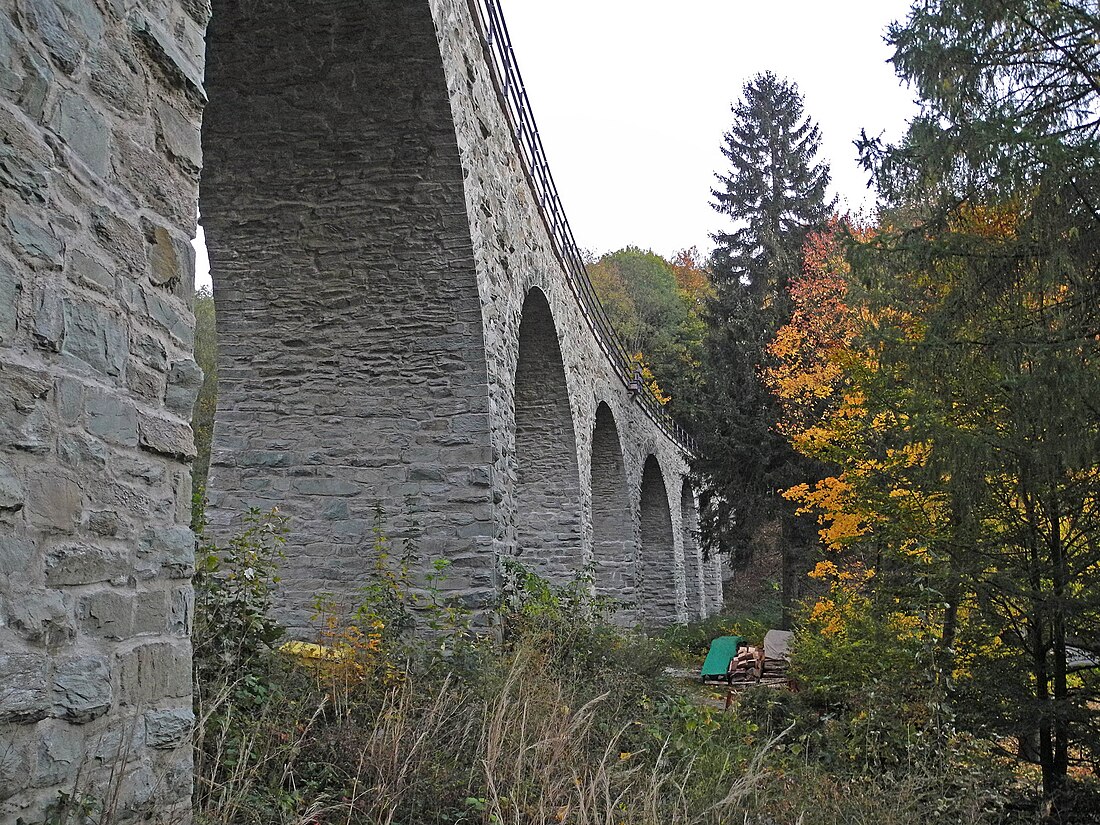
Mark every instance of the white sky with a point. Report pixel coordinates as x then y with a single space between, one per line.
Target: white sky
632 98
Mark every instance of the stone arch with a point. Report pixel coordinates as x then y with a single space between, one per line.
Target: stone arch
549 533
352 362
693 554
613 546
657 557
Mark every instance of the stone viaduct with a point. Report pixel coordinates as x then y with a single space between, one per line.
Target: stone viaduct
403 323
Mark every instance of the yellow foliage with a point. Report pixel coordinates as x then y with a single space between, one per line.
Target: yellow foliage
641 367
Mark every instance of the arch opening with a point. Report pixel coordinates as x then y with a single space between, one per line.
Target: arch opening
657 557
547 490
613 546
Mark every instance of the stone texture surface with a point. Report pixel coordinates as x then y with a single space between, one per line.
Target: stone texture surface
698 605
514 255
81 227
352 370
467 420
547 479
397 335
614 551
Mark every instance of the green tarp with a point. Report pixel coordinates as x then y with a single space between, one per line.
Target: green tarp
722 651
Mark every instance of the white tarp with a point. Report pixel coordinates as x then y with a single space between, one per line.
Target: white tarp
776 643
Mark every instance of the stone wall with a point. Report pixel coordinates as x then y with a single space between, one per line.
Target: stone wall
514 255
352 368
548 483
697 604
99 161
657 596
615 555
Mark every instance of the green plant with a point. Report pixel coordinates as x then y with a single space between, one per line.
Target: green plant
234 594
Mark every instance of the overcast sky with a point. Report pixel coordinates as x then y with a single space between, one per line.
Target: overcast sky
632 98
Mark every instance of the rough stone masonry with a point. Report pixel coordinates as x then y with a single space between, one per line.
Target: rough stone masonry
395 330
99 167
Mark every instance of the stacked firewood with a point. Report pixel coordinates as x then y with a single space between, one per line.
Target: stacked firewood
747 665
776 657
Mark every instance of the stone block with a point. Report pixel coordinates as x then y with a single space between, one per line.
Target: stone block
168 728
10 289
144 383
112 418
167 436
16 554
140 799
82 689
325 487
10 42
170 259
33 89
37 240
106 523
154 671
88 272
97 336
24 696
150 350
41 617
23 170
263 458
69 393
84 130
85 18
114 74
17 751
60 753
335 510
180 134
141 467
49 317
161 47
72 564
108 614
12 495
123 241
167 313
30 431
182 611
176 770
184 383
79 452
151 612
54 500
171 549
50 23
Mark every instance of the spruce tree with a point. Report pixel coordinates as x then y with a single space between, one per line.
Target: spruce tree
774 193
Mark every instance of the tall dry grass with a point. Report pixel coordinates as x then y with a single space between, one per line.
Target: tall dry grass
531 749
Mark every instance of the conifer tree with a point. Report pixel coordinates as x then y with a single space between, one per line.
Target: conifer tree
774 193
995 196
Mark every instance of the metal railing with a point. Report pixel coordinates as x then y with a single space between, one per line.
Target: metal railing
517 107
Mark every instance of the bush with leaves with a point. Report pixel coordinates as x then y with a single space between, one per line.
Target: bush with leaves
234 594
